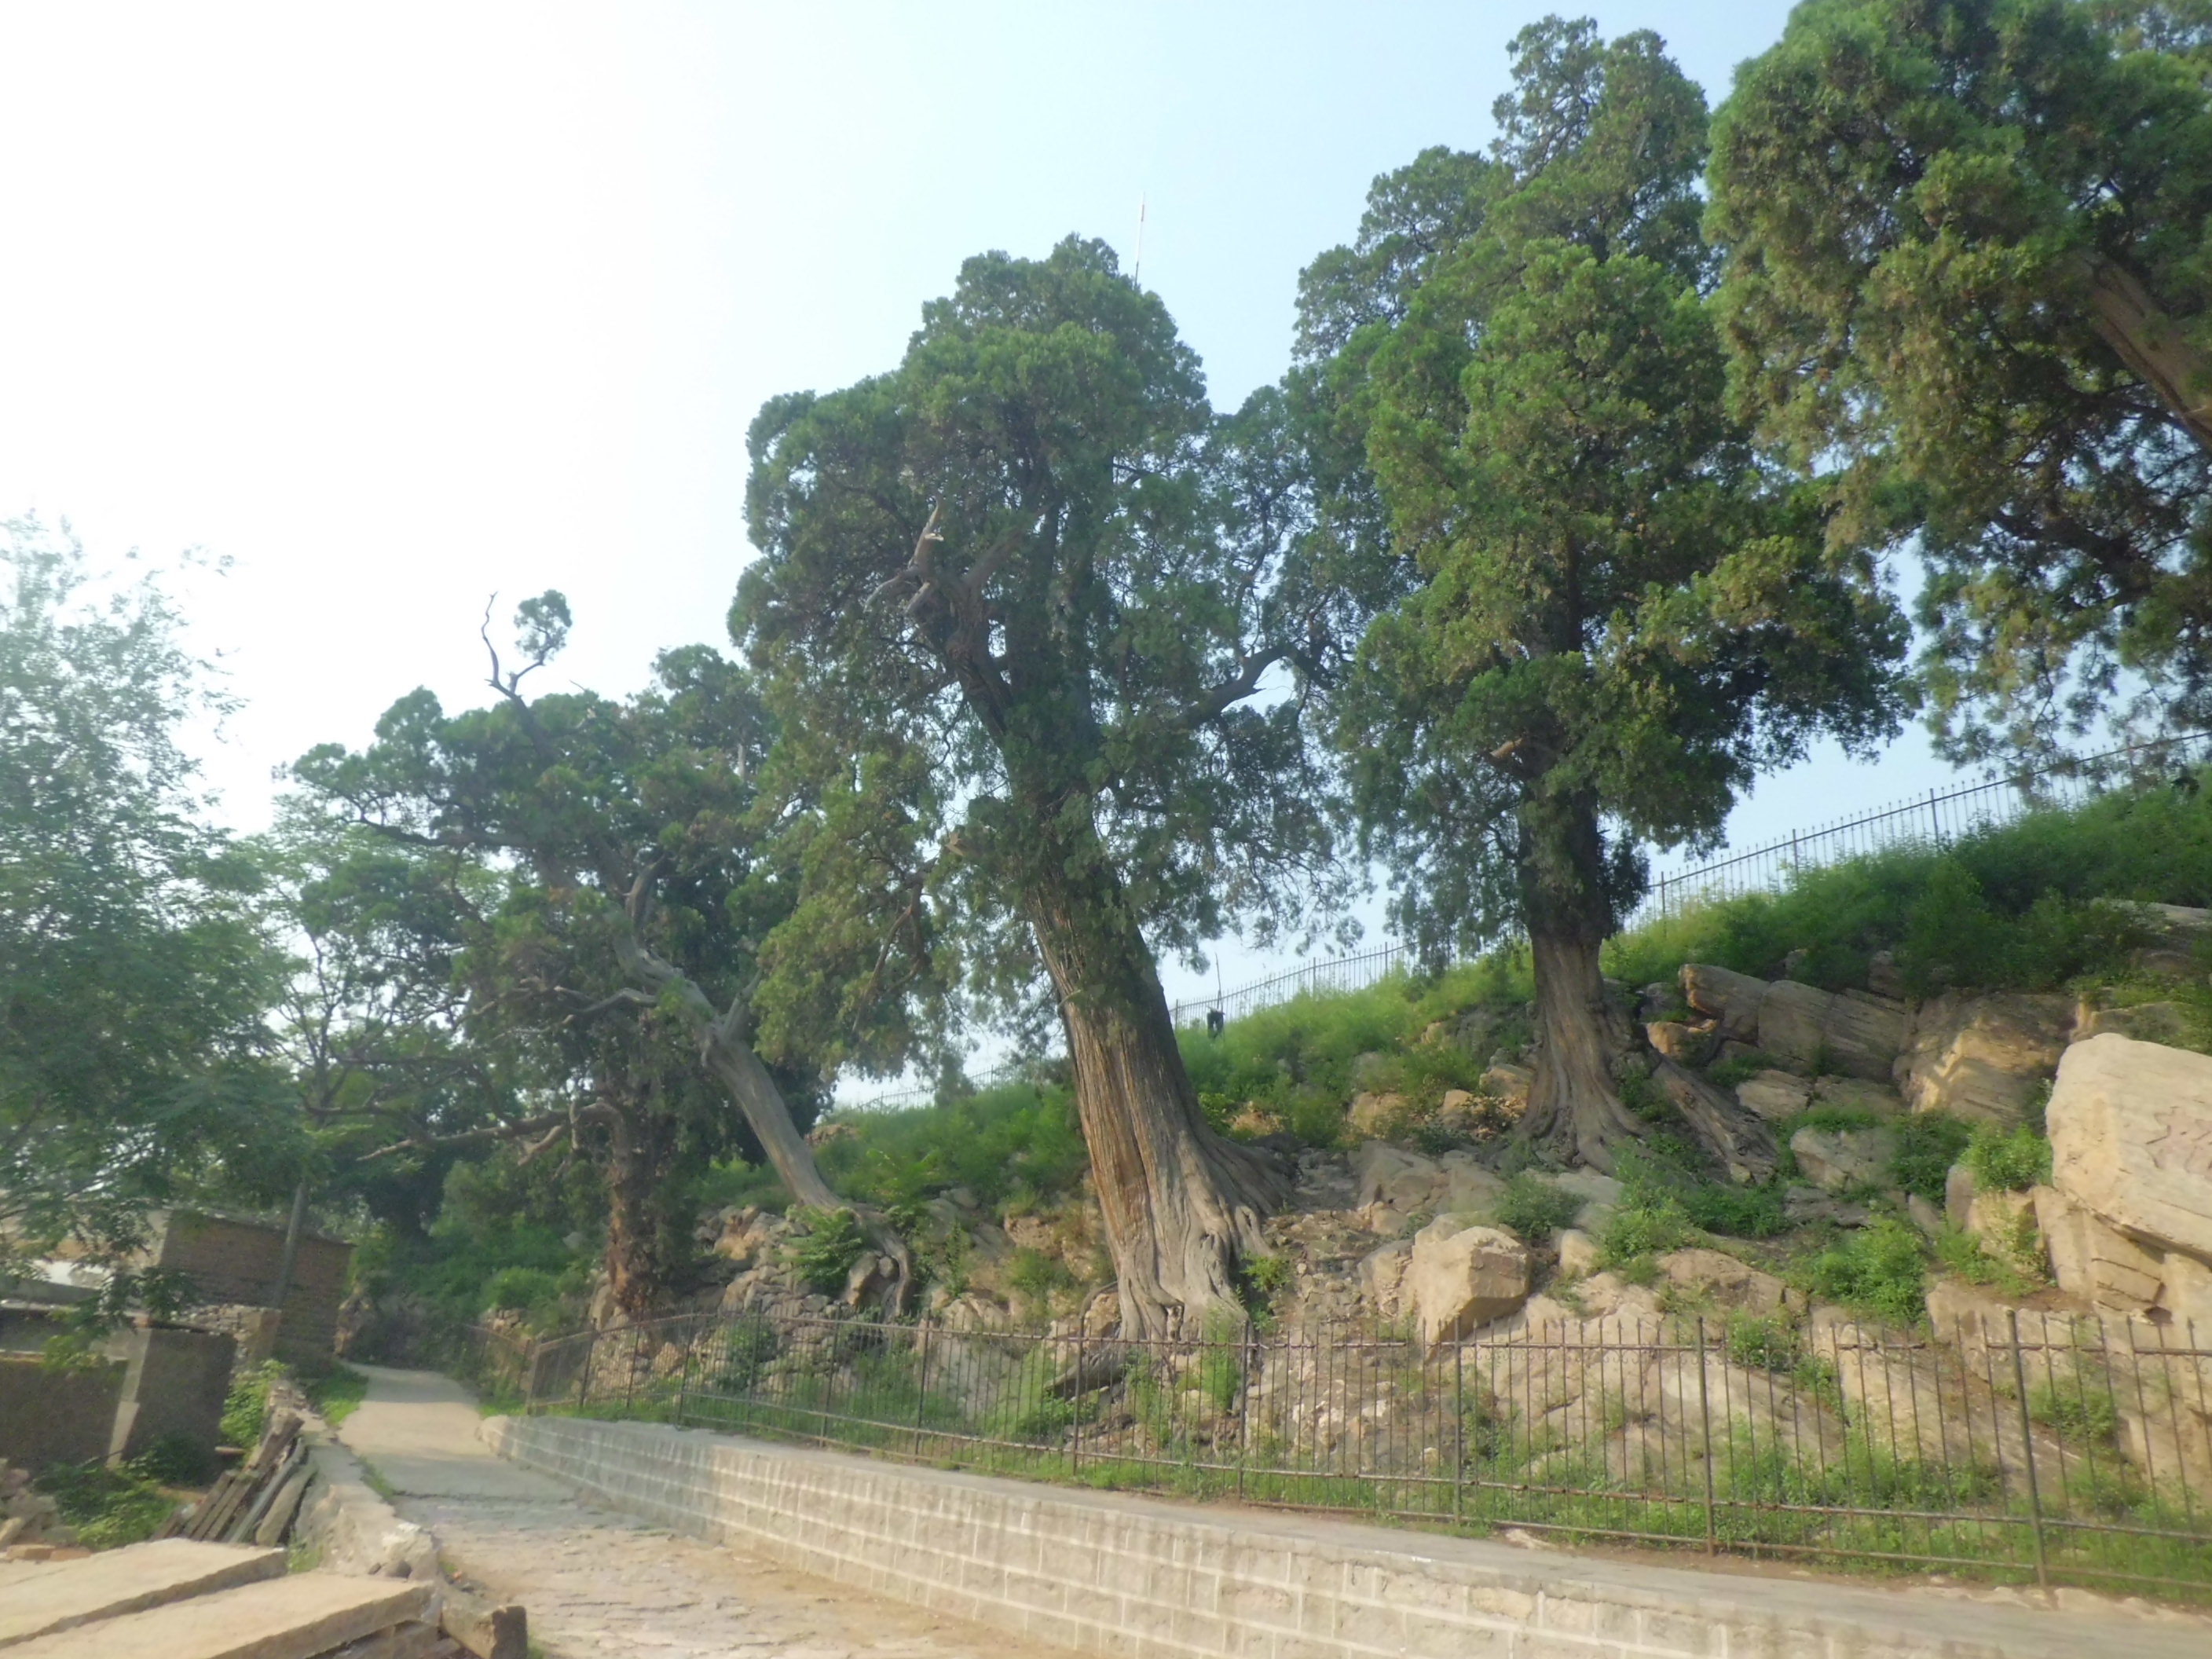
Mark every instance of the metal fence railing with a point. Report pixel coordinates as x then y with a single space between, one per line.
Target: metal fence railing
1931 819
2052 1451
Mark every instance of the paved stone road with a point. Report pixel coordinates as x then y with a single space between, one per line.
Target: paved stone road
599 1583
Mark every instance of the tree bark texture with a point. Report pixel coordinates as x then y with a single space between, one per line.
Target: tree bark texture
637 1270
1583 1033
2151 343
1181 1203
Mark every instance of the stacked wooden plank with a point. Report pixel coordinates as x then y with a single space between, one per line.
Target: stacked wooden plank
252 1503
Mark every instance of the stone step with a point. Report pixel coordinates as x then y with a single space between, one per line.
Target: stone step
299 1617
41 1600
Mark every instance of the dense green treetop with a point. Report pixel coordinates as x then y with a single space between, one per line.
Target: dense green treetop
1969 261
133 966
1613 595
1106 581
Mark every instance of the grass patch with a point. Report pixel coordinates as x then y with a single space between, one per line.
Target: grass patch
336 1392
1928 1145
1880 1271
2008 1161
107 1508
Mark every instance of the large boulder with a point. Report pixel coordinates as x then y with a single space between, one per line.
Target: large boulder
1686 1045
1834 1159
1774 1094
1461 1277
1384 1174
1983 1056
1375 1114
1855 1032
1509 1084
2093 1259
1724 995
2131 1138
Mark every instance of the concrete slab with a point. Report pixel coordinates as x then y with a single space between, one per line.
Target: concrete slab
418 1431
125 1581
293 1618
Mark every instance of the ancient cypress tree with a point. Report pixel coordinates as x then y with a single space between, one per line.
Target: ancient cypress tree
1612 611
650 954
1031 554
1969 267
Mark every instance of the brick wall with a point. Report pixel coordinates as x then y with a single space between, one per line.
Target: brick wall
48 1415
1143 1579
237 1262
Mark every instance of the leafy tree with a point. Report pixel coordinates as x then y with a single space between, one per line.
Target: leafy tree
1969 261
133 971
648 885
1616 611
1030 571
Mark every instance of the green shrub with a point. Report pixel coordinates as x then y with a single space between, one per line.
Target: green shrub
1532 1209
748 1348
1036 1277
175 1460
521 1288
245 1408
2081 1411
1928 1145
2008 1162
1648 1223
1880 1270
1765 1344
107 1508
827 1249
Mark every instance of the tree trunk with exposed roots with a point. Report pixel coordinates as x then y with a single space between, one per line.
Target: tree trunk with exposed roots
1181 1205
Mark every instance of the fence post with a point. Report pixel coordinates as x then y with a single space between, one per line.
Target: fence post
921 1387
1459 1424
1075 1426
1705 1413
584 1376
683 1388
2028 1448
629 1381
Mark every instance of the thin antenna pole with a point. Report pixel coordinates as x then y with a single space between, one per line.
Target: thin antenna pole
1137 271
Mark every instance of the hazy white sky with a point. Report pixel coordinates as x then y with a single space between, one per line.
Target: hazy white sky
397 305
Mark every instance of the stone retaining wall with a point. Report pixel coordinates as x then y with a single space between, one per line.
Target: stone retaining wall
1111 1574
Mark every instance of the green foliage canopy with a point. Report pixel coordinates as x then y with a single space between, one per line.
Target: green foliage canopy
1969 261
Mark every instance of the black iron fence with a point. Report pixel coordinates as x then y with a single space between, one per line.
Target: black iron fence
2050 1449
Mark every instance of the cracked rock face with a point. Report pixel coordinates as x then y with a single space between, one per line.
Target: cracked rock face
1460 1277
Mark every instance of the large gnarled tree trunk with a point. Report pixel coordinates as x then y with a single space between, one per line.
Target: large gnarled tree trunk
1181 1204
2151 343
1584 1036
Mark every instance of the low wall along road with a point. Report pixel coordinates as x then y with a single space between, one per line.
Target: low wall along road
1107 1573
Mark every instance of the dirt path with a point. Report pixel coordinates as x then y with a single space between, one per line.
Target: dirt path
599 1583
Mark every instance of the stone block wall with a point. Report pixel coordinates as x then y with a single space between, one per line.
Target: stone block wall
48 1415
236 1263
1109 1574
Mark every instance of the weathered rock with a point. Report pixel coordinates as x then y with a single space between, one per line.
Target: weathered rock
1657 1001
1834 1159
1855 1094
1923 1215
1384 1174
1686 1045
1958 1195
1884 977
2093 1259
2130 1129
1599 1193
1461 1277
1732 999
2180 927
1855 1032
2147 1022
1509 1084
1373 1114
1467 1188
1382 1273
1578 1252
1983 1056
1728 1282
1773 1094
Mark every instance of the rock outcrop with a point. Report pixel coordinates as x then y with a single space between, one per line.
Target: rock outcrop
1460 1276
2127 1216
1983 1057
1730 1000
1855 1032
1834 1159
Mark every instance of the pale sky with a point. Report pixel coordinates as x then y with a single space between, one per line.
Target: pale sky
397 305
